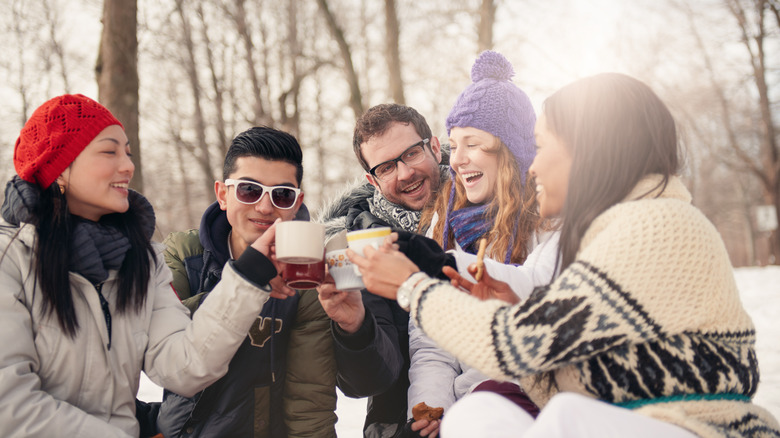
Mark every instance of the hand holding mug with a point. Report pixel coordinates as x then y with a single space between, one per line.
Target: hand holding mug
383 269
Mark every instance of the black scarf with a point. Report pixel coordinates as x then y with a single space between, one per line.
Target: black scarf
394 214
95 247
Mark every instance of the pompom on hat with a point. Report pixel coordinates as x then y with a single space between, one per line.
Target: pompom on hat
55 135
492 103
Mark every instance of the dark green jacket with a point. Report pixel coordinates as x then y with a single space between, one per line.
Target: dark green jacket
281 382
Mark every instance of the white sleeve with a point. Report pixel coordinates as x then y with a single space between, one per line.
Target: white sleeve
186 356
536 271
432 372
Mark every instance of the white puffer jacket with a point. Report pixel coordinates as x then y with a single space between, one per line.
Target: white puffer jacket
438 378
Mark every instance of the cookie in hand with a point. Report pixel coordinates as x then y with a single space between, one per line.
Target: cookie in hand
421 411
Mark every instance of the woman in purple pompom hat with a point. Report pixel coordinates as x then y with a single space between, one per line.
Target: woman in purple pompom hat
491 135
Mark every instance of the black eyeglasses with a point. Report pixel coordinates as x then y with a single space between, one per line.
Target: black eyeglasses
250 192
414 154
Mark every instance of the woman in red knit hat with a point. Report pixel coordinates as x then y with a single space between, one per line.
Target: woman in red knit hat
85 297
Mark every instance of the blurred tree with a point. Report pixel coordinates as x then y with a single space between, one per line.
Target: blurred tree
20 40
751 133
759 23
487 19
117 73
356 96
55 45
200 148
392 53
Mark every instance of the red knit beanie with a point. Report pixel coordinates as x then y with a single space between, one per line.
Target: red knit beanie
55 135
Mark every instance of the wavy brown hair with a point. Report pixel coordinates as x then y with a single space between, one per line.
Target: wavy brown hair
618 131
509 207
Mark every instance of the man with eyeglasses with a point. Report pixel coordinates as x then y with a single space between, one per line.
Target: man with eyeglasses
401 157
281 382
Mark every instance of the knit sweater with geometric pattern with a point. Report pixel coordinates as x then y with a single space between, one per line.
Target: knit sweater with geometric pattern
648 316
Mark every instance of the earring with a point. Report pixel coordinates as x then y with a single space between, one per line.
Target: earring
62 189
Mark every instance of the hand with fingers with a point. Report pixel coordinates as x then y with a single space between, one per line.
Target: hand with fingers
345 308
419 428
265 245
485 289
383 269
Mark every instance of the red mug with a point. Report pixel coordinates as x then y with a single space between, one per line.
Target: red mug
308 276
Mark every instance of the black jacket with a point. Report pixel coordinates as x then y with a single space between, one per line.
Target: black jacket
374 361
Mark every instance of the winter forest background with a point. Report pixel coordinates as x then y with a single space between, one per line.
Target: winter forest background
208 69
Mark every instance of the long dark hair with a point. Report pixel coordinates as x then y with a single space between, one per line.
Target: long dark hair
54 225
618 131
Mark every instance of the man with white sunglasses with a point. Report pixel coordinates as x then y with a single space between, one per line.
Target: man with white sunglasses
281 382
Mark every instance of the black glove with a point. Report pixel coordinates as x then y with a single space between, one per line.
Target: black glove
425 253
405 431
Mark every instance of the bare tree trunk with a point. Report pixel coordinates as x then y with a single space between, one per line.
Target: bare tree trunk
21 85
321 135
202 155
356 99
291 120
117 72
754 35
215 83
487 18
392 54
368 55
186 196
239 16
52 20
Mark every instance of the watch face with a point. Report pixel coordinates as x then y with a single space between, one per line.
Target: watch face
403 299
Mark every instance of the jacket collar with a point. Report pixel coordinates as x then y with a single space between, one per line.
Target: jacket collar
214 231
651 186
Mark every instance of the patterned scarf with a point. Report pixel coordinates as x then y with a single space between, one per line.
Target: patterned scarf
393 214
468 224
95 247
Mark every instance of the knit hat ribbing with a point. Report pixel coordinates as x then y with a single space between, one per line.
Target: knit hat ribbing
55 135
492 103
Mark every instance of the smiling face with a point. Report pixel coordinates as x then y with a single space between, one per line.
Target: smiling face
551 169
249 222
96 182
475 161
411 186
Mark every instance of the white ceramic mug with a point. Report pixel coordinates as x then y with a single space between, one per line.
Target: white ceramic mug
342 271
300 242
357 240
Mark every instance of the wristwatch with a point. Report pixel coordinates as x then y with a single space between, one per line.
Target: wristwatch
404 294
404 297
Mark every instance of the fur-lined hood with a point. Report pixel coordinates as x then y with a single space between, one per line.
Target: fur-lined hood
334 213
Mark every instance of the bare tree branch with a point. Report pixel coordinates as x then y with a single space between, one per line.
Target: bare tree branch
195 88
215 82
725 108
356 99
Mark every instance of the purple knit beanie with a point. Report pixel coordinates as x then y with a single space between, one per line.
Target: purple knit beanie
494 104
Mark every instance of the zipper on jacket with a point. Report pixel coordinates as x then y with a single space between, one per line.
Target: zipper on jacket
106 311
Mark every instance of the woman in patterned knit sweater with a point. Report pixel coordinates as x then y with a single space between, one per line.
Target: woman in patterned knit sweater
643 333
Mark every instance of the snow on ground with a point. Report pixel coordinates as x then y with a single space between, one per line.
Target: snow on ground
760 290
